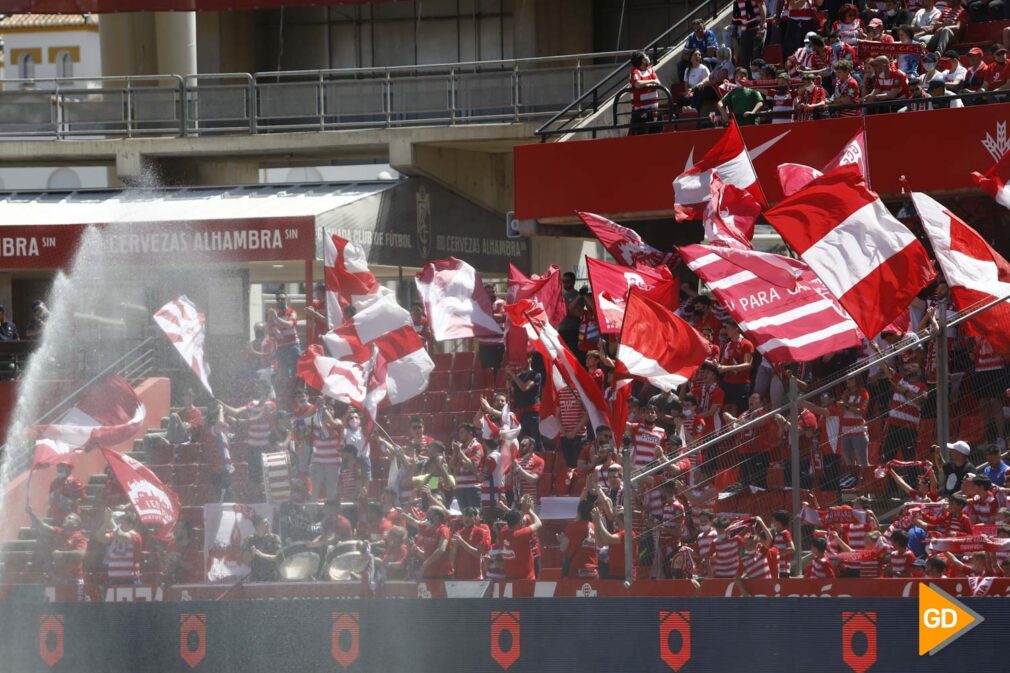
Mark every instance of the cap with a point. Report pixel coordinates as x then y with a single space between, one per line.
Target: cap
975 51
999 50
810 35
876 23
961 447
932 57
951 53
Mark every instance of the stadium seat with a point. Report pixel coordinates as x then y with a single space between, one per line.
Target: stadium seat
438 382
500 379
434 403
398 425
415 405
463 401
189 453
460 380
773 53
463 360
483 378
441 426
443 361
189 474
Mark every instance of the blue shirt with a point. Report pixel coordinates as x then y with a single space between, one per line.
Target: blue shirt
702 43
997 475
917 541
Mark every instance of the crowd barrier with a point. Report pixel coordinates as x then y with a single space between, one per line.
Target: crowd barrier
863 635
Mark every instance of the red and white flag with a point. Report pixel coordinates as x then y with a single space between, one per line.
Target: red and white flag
779 303
658 346
729 159
993 181
548 343
342 380
611 284
156 504
347 278
183 324
455 301
52 452
225 528
976 273
794 177
869 260
624 244
545 289
730 215
383 330
108 413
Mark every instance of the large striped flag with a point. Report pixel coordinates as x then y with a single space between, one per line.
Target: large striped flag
184 326
611 284
794 177
976 273
778 302
658 346
869 260
347 278
455 301
730 215
993 181
624 244
728 159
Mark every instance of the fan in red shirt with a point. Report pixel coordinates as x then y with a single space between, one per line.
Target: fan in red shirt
469 546
394 559
710 396
819 566
65 492
755 443
432 545
900 560
754 563
420 323
578 545
317 323
615 569
811 99
515 542
953 522
735 366
65 547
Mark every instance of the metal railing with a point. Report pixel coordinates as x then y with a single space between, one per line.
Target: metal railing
566 120
503 91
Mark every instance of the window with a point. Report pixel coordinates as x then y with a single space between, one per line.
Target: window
26 66
64 65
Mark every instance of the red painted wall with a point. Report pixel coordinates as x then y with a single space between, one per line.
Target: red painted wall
935 150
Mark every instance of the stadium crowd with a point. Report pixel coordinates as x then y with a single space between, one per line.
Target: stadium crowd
462 499
799 60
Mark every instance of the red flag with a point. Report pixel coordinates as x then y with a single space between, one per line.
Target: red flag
794 177
455 301
976 273
624 244
51 452
546 289
342 380
869 260
548 343
618 395
347 278
730 160
993 181
183 324
658 346
611 284
789 319
108 413
730 215
156 504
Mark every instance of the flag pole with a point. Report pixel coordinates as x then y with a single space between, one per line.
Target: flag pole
794 451
942 380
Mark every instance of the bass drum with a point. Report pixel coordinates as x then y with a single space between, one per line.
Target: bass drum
346 563
300 563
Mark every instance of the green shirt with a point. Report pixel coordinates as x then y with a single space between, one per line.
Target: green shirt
742 100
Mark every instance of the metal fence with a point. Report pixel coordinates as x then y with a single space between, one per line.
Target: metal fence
230 103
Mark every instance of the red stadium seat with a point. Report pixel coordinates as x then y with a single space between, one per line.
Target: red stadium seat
414 405
463 360
434 403
443 361
438 382
460 380
441 426
189 453
500 380
189 475
398 425
483 378
773 53
463 401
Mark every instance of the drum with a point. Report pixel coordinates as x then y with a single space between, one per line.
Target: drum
347 566
300 564
277 476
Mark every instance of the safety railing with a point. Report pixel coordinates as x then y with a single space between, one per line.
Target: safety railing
502 91
952 405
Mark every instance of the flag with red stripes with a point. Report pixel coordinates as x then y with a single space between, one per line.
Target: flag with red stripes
729 159
993 181
794 177
342 380
778 302
730 215
611 284
869 260
977 274
346 276
455 301
184 325
624 244
156 505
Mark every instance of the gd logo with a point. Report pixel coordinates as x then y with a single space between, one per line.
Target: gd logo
344 643
193 638
859 640
505 638
51 639
675 639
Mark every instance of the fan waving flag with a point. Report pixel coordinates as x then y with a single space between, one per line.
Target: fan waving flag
976 273
729 159
611 284
869 260
794 177
347 278
156 504
183 324
624 244
658 346
789 319
108 413
455 301
730 215
993 181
